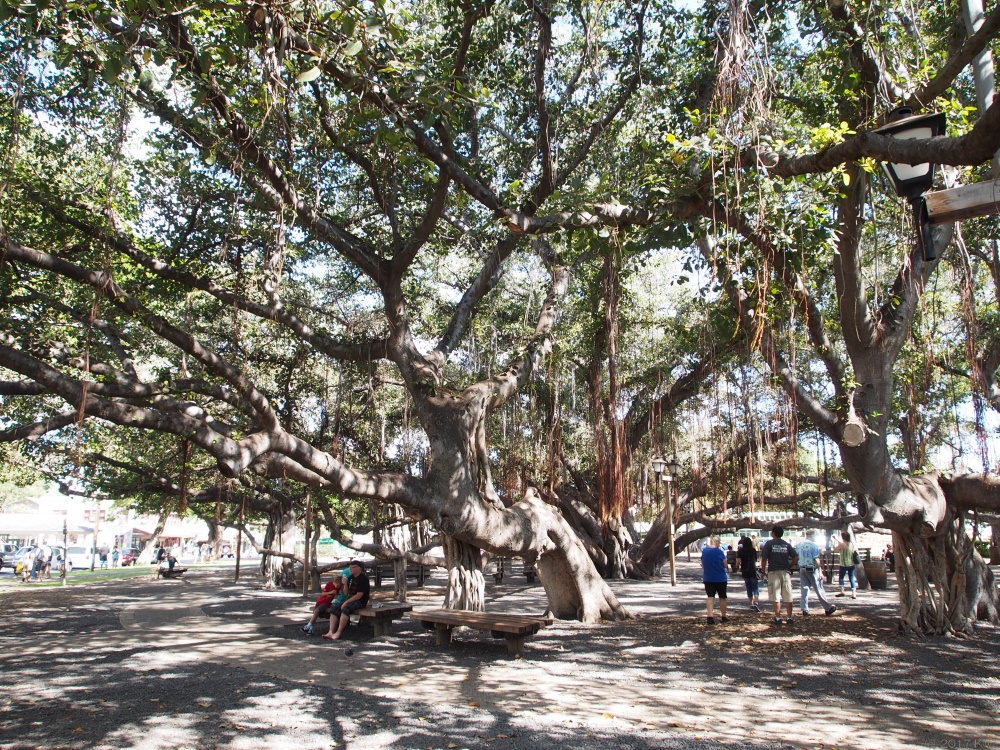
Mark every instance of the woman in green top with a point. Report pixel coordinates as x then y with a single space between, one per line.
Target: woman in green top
846 549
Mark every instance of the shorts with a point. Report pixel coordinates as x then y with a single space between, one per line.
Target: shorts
753 588
348 608
779 581
716 587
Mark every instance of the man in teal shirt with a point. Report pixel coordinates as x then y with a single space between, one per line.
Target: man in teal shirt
811 574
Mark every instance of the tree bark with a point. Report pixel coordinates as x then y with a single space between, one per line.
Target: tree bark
281 534
466 585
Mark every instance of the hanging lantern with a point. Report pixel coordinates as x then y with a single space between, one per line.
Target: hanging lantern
911 181
658 463
674 468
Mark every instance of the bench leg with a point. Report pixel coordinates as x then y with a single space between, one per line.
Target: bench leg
381 627
515 643
443 633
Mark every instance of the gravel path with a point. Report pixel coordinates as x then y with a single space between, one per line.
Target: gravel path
210 664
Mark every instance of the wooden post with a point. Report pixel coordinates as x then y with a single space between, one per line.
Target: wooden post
443 633
515 644
963 202
306 573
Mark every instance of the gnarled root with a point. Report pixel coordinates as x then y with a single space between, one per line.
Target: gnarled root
944 584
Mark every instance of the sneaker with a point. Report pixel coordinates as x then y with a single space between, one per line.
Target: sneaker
755 607
307 629
789 621
711 620
725 619
854 594
833 608
805 614
776 621
841 593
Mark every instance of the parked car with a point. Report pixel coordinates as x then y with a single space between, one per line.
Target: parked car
7 552
128 556
18 556
79 557
57 557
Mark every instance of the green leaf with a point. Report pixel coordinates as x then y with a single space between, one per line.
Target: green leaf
353 48
309 75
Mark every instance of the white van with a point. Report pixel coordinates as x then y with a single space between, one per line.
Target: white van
79 558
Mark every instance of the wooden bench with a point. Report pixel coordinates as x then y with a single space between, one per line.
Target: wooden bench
505 564
380 615
515 628
167 573
383 570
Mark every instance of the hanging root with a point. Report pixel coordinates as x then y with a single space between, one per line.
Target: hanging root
945 586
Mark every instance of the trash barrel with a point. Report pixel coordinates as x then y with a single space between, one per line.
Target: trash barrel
875 571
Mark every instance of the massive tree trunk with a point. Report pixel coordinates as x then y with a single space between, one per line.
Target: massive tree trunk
281 535
530 529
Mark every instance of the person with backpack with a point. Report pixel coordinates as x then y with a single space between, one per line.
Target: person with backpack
848 559
777 558
43 561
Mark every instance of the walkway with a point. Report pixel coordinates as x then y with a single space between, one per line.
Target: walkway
161 664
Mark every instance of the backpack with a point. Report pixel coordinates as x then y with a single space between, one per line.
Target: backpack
855 558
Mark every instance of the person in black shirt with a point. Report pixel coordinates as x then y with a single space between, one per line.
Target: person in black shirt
358 590
777 558
746 561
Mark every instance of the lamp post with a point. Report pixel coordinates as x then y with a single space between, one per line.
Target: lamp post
674 473
659 465
911 181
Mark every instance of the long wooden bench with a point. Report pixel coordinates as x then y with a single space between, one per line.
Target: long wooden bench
380 615
514 628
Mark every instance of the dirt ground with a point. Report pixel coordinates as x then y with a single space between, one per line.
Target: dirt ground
207 663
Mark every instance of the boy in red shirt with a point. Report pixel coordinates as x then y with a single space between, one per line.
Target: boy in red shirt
333 593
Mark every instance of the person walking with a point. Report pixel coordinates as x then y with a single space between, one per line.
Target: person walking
846 549
746 563
777 557
811 574
713 563
115 554
28 564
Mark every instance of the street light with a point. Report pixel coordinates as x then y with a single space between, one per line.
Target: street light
674 468
668 470
911 181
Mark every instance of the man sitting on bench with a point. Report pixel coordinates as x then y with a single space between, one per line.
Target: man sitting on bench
358 589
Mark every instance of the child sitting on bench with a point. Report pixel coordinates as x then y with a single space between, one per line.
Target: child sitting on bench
334 594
